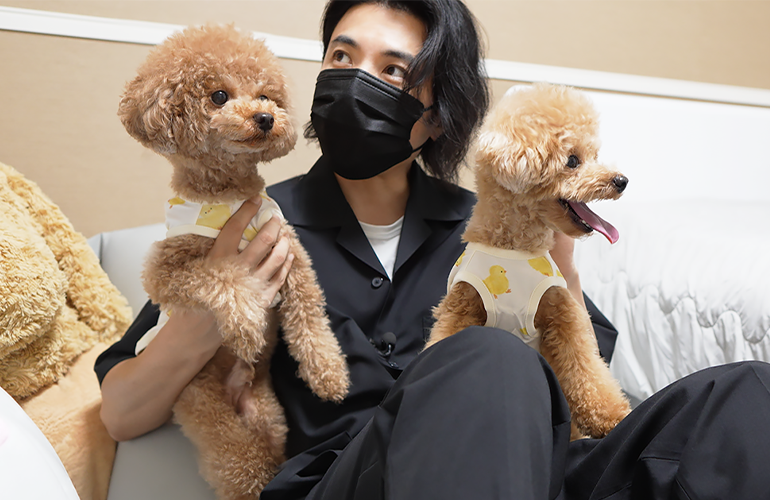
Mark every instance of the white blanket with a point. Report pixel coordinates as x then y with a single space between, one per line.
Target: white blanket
687 286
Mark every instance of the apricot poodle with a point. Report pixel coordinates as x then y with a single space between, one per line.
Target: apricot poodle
214 102
536 168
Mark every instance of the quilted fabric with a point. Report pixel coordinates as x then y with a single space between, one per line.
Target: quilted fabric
687 286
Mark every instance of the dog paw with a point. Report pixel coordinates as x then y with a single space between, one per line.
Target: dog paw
330 380
247 345
243 320
599 422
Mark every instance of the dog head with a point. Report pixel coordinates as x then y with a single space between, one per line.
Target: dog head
210 92
540 144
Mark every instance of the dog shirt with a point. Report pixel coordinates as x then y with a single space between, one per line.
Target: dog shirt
510 283
206 219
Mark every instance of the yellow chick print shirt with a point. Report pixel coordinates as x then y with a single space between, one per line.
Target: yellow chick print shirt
204 219
511 284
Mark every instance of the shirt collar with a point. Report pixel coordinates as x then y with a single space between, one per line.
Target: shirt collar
320 202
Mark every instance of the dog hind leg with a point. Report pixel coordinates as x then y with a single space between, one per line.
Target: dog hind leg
237 454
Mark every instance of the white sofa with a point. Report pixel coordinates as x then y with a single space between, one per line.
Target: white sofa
686 286
161 464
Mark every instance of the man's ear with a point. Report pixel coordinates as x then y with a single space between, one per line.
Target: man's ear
433 123
511 163
147 114
435 128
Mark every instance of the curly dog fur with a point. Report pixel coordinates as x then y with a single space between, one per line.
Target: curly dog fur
175 107
537 152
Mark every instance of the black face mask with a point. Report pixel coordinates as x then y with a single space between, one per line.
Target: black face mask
363 124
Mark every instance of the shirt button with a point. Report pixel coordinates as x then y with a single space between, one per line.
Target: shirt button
377 282
392 364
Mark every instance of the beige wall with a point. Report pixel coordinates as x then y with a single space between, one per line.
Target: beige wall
60 94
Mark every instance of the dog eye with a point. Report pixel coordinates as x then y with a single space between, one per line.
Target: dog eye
573 161
263 97
219 97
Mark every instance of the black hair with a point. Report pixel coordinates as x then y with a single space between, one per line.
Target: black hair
452 58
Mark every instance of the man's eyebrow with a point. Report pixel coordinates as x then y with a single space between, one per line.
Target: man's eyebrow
345 40
398 54
404 56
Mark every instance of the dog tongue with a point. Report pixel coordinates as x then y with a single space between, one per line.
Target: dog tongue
595 221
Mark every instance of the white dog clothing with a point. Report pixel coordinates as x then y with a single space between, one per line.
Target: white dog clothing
511 284
206 219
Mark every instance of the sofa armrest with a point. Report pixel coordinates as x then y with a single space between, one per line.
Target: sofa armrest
122 253
164 459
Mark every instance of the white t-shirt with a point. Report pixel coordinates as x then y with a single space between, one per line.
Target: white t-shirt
384 241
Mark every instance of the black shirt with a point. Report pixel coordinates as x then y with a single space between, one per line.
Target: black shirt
362 303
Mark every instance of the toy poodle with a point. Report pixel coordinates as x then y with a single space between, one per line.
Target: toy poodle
536 168
214 102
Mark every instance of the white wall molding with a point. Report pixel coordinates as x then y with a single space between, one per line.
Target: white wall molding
628 84
151 33
129 31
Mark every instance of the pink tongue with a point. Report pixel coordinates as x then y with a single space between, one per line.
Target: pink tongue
595 221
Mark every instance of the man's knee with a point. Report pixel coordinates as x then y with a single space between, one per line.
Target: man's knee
479 344
486 354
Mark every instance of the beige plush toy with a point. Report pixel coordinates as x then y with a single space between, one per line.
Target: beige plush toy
58 310
214 102
536 169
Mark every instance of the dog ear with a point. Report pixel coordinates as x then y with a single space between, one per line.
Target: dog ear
147 114
509 160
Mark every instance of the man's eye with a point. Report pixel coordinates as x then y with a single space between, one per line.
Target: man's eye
395 72
219 97
573 161
341 57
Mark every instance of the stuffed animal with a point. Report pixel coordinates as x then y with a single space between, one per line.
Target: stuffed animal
58 310
536 168
214 102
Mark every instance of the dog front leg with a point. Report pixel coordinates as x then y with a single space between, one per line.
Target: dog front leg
176 274
569 345
306 329
461 307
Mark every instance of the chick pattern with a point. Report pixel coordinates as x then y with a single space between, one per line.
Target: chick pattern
510 283
207 219
497 282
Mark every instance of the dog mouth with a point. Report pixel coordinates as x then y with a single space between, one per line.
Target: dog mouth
588 221
257 140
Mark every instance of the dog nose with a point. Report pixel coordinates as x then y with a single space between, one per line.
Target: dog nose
620 182
264 121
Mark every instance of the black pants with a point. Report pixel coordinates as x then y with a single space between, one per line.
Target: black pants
481 416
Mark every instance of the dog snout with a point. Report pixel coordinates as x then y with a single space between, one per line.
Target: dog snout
620 182
264 121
